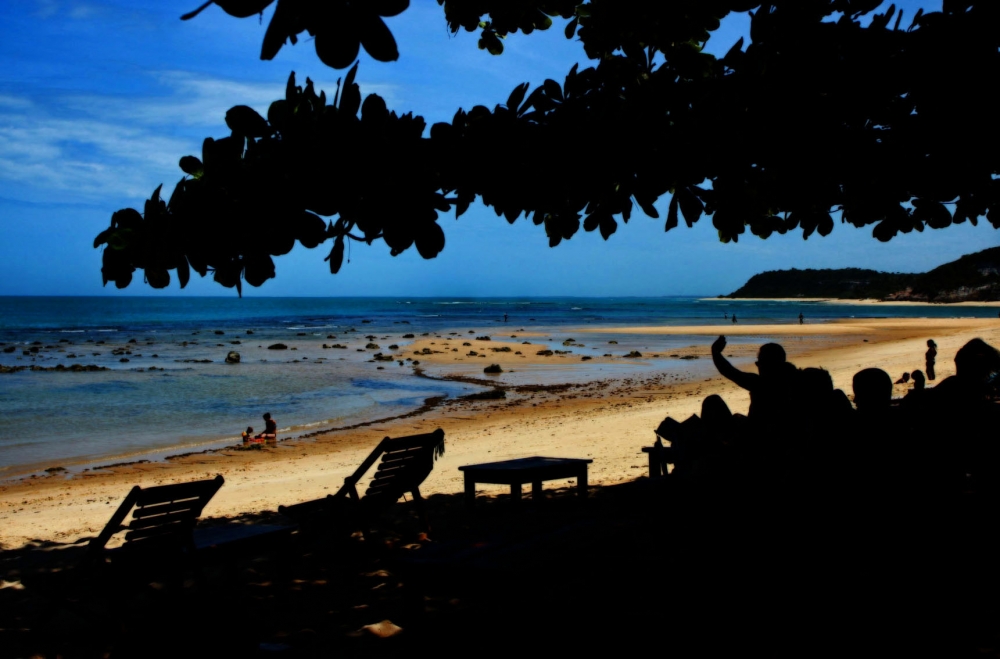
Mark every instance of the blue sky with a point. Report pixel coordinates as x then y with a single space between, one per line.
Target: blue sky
100 98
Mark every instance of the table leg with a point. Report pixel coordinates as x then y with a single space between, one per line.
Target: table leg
581 482
536 491
654 465
470 490
515 491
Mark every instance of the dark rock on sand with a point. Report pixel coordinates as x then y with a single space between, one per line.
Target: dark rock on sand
277 346
493 368
233 357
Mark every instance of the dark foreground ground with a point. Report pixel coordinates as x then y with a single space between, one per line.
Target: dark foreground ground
637 568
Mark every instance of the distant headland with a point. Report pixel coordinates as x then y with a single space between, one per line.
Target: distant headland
972 278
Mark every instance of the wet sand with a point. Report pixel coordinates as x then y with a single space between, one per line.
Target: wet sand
608 419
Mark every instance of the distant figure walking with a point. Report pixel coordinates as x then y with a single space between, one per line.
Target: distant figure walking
725 314
802 319
734 319
931 357
505 318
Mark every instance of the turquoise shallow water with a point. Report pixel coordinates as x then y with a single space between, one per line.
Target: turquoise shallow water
196 400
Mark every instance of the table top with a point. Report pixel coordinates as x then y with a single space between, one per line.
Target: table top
525 464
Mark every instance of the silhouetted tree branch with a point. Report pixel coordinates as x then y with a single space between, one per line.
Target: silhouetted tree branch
827 108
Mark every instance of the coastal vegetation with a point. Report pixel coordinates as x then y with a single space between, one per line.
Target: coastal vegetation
972 278
878 126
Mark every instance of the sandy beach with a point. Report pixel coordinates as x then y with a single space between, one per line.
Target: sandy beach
607 420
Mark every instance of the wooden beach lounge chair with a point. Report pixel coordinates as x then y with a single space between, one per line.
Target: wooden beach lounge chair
163 517
404 463
163 521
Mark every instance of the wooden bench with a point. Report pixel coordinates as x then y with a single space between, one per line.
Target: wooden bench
404 463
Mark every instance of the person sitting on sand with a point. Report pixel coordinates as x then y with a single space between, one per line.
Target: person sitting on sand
904 379
247 434
270 428
771 385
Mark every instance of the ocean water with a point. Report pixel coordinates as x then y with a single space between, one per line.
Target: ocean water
168 388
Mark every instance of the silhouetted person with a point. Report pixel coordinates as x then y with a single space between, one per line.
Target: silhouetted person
725 315
734 319
919 382
270 428
904 379
768 388
965 414
977 365
505 318
802 319
931 357
872 391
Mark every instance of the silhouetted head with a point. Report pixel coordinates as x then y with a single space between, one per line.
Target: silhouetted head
872 390
815 381
919 381
713 408
931 344
769 358
977 361
267 416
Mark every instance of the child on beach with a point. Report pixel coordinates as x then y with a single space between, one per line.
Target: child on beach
247 434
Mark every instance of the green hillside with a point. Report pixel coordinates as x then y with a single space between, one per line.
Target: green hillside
974 277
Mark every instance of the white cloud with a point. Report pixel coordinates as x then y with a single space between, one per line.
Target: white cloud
200 101
93 147
83 159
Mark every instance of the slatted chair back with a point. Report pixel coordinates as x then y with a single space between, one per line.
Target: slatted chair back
404 463
162 516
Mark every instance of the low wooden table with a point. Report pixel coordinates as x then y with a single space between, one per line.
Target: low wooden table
533 470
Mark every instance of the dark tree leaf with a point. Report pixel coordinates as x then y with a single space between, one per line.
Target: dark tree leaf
516 96
245 121
691 206
378 40
191 166
157 277
570 30
608 226
430 240
671 214
336 256
243 8
647 207
183 271
278 30
257 269
337 47
191 14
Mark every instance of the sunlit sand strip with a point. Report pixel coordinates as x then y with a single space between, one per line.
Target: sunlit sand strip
609 424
